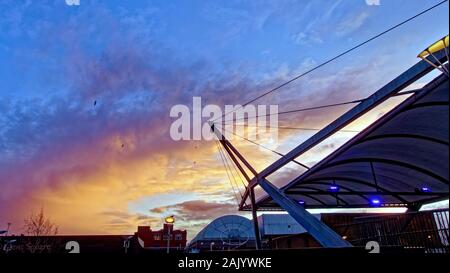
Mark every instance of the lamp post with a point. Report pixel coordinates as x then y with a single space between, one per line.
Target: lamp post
169 220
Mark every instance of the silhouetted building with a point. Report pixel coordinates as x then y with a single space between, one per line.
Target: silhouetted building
149 238
426 231
143 240
111 244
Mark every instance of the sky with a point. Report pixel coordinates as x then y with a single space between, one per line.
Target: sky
109 167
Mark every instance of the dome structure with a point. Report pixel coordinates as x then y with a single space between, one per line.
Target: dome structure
229 231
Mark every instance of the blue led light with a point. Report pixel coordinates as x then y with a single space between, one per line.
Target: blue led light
301 202
425 189
375 201
334 188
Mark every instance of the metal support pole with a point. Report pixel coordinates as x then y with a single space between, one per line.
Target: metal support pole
374 175
168 239
255 219
233 153
249 189
321 232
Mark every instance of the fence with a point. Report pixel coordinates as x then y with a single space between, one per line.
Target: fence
427 230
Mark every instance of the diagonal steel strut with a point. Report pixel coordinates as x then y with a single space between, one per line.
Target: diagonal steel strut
321 232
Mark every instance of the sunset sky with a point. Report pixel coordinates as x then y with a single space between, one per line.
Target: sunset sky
106 168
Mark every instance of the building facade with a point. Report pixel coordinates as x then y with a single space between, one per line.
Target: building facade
144 240
149 238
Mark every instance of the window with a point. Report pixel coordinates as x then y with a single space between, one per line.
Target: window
156 237
178 237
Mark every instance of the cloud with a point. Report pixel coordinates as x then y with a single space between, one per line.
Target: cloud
60 151
12 16
198 209
66 154
195 214
311 38
75 159
320 23
352 23
239 18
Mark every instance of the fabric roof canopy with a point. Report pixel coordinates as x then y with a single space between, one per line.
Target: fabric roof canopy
400 160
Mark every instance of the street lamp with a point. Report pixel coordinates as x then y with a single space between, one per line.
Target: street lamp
169 220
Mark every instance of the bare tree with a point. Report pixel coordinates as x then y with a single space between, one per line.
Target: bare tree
37 224
40 230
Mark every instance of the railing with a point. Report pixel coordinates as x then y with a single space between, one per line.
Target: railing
427 230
